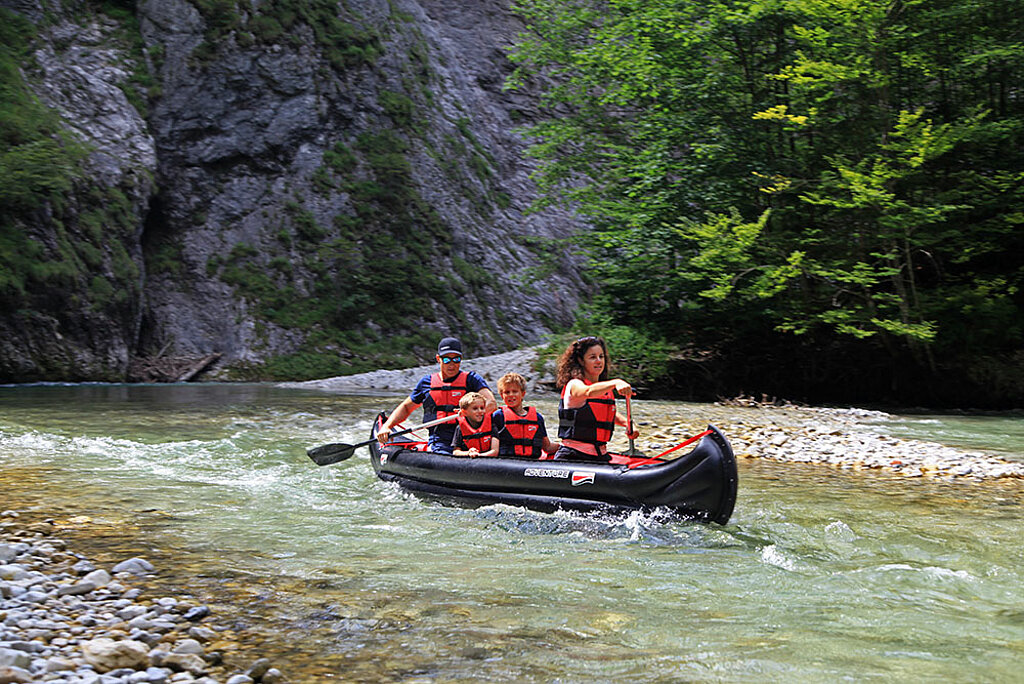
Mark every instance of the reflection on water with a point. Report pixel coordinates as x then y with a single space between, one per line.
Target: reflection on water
821 574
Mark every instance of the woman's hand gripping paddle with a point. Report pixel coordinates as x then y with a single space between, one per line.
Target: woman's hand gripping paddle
329 454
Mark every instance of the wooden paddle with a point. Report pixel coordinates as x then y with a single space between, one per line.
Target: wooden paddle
339 451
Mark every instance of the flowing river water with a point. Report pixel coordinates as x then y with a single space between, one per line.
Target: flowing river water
822 574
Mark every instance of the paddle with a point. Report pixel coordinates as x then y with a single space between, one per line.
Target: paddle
329 454
691 440
629 428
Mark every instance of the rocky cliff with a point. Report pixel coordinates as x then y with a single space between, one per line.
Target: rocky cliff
297 188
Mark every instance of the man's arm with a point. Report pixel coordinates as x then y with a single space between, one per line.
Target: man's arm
491 404
401 412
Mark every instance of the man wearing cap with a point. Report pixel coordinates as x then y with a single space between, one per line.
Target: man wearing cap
439 394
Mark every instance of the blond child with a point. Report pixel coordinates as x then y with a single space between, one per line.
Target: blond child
473 434
519 430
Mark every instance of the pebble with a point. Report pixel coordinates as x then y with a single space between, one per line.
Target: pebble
64 620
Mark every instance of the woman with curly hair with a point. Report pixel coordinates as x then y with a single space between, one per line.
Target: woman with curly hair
586 410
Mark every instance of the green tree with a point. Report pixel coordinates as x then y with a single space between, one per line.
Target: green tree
831 170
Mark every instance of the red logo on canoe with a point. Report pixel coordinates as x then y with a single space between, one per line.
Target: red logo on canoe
582 479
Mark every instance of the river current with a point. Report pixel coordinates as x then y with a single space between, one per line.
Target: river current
821 574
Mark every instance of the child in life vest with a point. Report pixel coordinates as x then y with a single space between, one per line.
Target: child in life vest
519 430
473 434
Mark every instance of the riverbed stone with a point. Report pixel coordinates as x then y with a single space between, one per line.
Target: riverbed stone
136 566
105 654
156 675
141 623
130 612
76 589
272 676
188 646
44 528
197 613
100 577
258 669
845 439
10 657
202 633
59 664
185 662
83 567
14 675
12 572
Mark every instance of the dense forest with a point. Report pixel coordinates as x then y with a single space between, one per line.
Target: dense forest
815 199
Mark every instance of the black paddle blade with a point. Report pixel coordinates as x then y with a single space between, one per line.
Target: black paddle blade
331 453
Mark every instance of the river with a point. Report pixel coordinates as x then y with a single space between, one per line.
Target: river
821 575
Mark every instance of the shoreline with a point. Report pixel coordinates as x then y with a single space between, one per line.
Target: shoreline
66 620
844 439
837 437
404 379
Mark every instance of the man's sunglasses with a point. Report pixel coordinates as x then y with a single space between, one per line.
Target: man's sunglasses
451 359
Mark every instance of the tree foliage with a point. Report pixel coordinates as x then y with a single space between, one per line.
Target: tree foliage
844 171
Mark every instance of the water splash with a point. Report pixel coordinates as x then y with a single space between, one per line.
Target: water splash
772 556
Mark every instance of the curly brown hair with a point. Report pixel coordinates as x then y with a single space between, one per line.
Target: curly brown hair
570 363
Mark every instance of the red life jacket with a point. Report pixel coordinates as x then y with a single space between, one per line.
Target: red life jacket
444 396
479 437
591 423
523 431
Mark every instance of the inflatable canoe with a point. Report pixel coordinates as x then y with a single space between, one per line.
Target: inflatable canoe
700 485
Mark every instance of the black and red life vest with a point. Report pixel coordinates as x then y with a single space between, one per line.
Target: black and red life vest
591 423
523 431
478 437
444 396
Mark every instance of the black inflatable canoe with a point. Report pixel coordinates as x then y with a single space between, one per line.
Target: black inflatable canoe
700 484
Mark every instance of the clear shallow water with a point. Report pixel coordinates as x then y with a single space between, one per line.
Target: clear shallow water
821 575
1001 435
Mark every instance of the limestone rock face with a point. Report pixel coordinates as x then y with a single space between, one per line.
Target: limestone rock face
81 320
285 186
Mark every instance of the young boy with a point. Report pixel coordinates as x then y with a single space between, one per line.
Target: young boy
519 430
473 434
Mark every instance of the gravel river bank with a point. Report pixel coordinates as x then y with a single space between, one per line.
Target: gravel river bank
64 620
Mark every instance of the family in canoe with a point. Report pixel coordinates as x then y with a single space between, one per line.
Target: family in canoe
587 414
700 484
